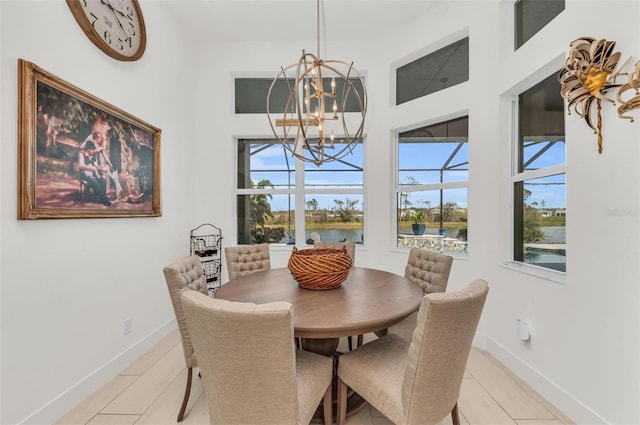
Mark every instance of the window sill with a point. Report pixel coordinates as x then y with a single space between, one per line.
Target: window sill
541 272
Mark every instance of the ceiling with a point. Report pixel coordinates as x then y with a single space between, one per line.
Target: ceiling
286 20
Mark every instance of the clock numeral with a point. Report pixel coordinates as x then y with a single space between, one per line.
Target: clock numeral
132 29
130 13
107 37
84 3
94 19
121 44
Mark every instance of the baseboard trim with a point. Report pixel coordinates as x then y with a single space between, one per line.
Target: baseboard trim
552 392
71 397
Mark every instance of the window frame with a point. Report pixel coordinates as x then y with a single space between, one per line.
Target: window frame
521 177
447 185
299 191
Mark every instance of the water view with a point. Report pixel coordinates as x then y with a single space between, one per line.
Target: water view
338 235
543 253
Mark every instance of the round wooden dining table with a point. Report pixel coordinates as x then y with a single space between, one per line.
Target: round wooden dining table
368 300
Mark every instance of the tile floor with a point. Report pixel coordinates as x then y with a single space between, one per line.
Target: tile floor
150 392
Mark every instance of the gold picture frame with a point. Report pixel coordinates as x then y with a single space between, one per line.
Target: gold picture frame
79 156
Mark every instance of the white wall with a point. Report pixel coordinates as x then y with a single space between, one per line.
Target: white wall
584 352
68 285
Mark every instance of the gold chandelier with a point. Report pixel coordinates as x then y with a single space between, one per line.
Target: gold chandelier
308 129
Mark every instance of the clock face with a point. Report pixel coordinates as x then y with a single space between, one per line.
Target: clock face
115 26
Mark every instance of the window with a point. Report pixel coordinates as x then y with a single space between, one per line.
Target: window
251 95
532 15
433 175
540 178
277 195
434 72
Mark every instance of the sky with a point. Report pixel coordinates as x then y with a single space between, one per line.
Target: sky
414 158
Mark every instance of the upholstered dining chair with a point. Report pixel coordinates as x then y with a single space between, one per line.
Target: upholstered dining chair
247 259
417 382
183 275
251 371
430 271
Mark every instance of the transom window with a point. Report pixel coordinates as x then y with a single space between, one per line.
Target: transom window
436 71
433 173
251 95
532 15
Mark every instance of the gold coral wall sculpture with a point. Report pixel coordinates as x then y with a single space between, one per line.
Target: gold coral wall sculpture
634 102
588 73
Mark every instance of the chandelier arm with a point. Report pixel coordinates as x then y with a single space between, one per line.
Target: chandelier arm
268 110
302 123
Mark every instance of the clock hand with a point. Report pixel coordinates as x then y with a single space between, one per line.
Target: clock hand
113 10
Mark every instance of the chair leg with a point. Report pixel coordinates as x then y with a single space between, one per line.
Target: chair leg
341 414
359 341
328 408
187 392
454 415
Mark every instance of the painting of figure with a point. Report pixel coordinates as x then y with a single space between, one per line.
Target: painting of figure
87 159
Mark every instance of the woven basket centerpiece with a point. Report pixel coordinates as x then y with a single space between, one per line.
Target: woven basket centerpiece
319 269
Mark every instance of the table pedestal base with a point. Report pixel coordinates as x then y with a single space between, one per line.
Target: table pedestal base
324 346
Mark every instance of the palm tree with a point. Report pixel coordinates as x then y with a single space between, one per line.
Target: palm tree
345 210
260 211
260 207
312 205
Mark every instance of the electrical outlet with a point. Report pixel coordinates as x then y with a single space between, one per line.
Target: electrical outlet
523 330
128 326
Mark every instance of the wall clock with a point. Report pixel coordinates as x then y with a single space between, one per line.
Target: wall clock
115 26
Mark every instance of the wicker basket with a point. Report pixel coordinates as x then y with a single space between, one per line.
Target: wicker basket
319 269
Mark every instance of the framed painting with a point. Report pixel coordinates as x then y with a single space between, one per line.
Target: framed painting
79 156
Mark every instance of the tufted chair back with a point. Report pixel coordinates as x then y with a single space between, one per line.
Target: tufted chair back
350 246
247 259
182 276
428 269
185 274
